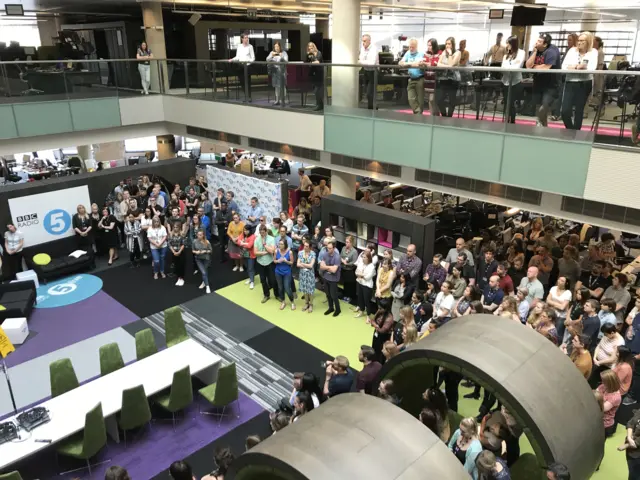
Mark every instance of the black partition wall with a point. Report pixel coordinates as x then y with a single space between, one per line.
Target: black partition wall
529 375
100 183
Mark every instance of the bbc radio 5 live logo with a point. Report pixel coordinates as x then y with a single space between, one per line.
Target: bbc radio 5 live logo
57 222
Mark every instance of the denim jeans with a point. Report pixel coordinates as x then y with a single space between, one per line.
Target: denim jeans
158 255
251 267
203 266
284 285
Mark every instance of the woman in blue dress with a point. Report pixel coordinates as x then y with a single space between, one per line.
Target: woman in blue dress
306 276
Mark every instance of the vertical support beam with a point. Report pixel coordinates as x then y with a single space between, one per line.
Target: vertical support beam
154 35
345 48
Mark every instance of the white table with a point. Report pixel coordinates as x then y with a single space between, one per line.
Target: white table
68 411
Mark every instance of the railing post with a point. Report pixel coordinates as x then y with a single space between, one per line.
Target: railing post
375 89
186 77
245 66
215 81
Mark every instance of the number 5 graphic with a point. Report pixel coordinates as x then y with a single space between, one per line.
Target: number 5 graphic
57 222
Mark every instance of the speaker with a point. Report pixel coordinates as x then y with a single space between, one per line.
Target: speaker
195 18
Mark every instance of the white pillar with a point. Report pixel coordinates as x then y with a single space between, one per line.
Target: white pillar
48 28
343 184
154 36
345 49
84 152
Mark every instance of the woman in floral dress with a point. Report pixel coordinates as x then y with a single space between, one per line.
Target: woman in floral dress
306 276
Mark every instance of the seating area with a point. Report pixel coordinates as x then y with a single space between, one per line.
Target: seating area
17 299
52 260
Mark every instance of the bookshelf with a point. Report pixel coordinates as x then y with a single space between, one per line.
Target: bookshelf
615 42
387 228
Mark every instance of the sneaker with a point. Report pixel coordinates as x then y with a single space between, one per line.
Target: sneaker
251 286
357 315
201 286
196 272
629 400
178 283
539 123
235 269
247 281
328 312
181 282
306 307
208 290
282 305
293 306
241 269
264 299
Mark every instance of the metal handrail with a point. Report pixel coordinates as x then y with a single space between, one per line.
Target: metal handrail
469 68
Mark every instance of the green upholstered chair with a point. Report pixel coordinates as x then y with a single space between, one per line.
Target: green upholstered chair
63 377
180 396
145 344
11 476
89 442
110 358
223 391
175 330
135 410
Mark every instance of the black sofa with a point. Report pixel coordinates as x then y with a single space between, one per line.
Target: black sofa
18 299
61 263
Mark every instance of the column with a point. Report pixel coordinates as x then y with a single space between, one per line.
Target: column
322 26
166 147
343 184
48 28
345 49
154 36
589 22
84 152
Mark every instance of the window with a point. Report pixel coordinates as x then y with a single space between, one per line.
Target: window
212 41
70 150
191 143
143 144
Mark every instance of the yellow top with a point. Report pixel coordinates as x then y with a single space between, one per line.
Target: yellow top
235 230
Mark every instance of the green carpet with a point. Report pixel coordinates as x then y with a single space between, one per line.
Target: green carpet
344 335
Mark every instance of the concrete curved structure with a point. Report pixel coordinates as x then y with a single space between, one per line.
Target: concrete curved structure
351 436
529 375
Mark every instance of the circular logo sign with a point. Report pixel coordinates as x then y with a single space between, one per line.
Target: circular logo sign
57 222
68 291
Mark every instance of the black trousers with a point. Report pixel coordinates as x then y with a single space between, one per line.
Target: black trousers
446 91
267 279
594 379
513 449
331 289
178 264
575 98
318 90
349 283
364 299
222 237
134 256
13 264
634 468
516 94
451 383
241 79
369 87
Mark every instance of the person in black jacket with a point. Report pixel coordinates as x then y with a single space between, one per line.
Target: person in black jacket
316 74
223 218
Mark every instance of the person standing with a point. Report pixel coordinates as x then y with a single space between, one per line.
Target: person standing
283 260
264 247
329 265
234 230
244 53
368 58
223 219
157 236
13 244
431 59
176 247
306 274
382 323
448 79
143 55
545 56
577 87
365 271
415 87
348 257
202 251
107 225
513 88
81 223
254 213
246 241
496 52
134 239
316 74
278 72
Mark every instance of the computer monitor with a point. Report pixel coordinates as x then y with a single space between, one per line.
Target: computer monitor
417 202
29 50
386 58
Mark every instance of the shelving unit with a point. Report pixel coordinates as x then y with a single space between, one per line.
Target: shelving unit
387 228
615 42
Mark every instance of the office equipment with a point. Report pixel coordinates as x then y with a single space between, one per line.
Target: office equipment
8 432
29 50
522 16
68 411
33 418
13 10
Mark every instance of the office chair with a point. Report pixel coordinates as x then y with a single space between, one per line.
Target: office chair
23 74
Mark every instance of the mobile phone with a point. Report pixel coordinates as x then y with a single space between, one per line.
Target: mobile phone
585 61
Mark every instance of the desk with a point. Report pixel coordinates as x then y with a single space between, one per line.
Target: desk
630 269
68 411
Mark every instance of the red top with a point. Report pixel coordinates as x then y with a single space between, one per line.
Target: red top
430 75
506 284
614 399
625 374
247 244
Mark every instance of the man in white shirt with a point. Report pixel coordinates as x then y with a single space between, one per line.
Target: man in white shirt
368 58
13 244
245 53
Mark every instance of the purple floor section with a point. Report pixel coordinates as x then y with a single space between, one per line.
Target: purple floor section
150 450
54 328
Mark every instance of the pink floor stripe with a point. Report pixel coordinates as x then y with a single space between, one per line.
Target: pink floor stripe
611 131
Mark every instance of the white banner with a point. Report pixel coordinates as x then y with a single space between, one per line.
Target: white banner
47 216
244 188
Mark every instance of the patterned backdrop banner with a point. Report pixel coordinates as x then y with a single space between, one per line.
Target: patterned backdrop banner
245 187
